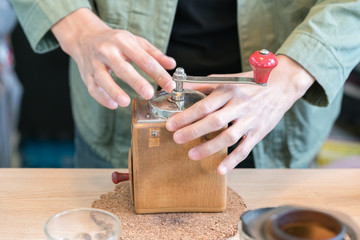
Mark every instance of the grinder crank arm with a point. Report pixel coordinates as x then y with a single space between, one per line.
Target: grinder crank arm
217 80
262 62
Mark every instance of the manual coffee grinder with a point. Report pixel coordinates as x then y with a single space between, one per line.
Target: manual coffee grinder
162 177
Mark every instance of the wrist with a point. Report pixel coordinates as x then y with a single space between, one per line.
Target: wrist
297 79
71 29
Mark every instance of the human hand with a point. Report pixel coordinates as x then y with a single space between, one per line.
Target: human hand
98 49
253 111
201 87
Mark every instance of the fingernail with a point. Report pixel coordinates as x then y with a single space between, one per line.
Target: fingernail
178 138
170 126
169 86
113 104
123 101
173 62
222 170
194 154
146 92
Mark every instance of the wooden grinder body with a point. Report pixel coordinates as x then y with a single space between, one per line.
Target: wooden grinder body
164 179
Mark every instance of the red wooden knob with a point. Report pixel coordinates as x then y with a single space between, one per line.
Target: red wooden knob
262 62
117 177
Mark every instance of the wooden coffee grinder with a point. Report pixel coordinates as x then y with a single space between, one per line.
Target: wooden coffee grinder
162 177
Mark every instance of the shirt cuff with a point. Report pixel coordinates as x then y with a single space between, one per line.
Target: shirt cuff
320 62
42 16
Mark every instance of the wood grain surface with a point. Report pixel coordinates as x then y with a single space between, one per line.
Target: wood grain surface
163 177
28 197
163 183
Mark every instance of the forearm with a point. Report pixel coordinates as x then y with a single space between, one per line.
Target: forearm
38 17
326 47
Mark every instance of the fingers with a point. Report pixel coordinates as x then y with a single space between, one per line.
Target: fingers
115 49
125 71
125 48
113 58
213 122
226 138
149 63
99 94
165 61
199 110
103 79
239 154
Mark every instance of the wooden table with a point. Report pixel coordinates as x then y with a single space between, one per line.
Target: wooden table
28 197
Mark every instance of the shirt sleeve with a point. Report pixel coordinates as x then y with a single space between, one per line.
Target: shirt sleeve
327 45
38 16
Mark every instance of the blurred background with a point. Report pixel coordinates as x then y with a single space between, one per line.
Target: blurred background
45 123
36 125
35 114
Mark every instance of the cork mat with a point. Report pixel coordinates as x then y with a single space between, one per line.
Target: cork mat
171 225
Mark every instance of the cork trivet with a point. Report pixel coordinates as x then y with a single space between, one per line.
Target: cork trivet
182 226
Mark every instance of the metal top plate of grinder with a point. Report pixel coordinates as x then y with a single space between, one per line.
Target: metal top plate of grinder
161 107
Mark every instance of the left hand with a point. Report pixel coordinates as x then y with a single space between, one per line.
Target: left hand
253 111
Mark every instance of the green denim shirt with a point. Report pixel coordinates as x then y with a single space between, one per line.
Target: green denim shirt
321 35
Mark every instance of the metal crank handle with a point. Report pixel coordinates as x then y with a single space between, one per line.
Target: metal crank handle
262 62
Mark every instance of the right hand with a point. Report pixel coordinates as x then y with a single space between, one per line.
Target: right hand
98 49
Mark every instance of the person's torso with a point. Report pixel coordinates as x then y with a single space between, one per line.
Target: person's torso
260 25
